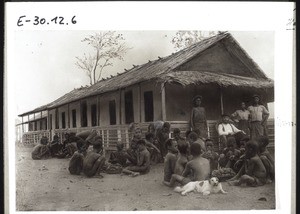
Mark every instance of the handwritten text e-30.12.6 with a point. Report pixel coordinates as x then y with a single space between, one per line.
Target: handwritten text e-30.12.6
42 21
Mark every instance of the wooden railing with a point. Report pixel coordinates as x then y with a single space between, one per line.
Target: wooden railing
121 133
33 137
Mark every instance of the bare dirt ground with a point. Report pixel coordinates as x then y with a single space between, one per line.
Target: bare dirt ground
46 185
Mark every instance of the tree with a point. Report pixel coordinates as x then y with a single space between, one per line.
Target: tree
184 39
107 46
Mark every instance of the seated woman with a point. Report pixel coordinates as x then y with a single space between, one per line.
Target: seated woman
41 151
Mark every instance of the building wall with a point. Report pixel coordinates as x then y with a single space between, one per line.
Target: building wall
216 59
90 102
75 106
62 109
157 106
179 101
52 112
104 107
138 101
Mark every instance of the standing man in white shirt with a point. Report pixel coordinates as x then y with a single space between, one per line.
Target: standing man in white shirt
242 117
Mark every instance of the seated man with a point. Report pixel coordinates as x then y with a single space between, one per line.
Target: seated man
197 169
193 138
266 157
69 145
162 136
94 161
85 138
211 155
76 162
225 129
132 151
119 156
41 151
253 173
182 157
143 164
152 148
170 159
177 137
55 146
230 154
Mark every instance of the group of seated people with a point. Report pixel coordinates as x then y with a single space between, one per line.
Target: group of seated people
185 159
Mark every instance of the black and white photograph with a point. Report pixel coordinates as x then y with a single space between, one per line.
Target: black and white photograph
122 119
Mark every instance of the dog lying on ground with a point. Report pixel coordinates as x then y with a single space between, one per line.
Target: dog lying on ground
205 187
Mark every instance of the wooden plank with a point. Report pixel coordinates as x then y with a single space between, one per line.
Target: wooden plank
163 102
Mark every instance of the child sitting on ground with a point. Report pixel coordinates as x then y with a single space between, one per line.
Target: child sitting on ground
211 155
94 161
170 159
177 136
193 138
143 162
253 173
41 151
266 157
76 162
197 169
119 156
132 151
152 148
239 163
162 136
230 154
182 157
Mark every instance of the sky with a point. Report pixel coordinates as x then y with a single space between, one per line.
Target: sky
45 60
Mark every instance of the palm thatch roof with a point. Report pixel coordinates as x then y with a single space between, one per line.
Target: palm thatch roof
224 80
164 70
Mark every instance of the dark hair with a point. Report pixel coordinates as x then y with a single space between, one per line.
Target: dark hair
120 145
245 139
231 141
149 136
142 142
182 147
166 125
176 131
168 143
187 133
95 146
193 136
263 141
195 98
251 144
196 149
208 140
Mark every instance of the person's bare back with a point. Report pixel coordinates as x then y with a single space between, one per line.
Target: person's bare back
180 164
199 168
255 167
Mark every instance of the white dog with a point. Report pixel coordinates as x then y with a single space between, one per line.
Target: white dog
205 187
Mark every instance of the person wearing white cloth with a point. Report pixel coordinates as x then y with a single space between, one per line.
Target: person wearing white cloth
225 128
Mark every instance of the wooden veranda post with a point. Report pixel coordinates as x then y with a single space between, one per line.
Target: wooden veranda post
98 110
69 124
120 106
140 96
163 102
221 97
22 126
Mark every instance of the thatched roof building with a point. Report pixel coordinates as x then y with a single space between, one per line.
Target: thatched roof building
175 68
